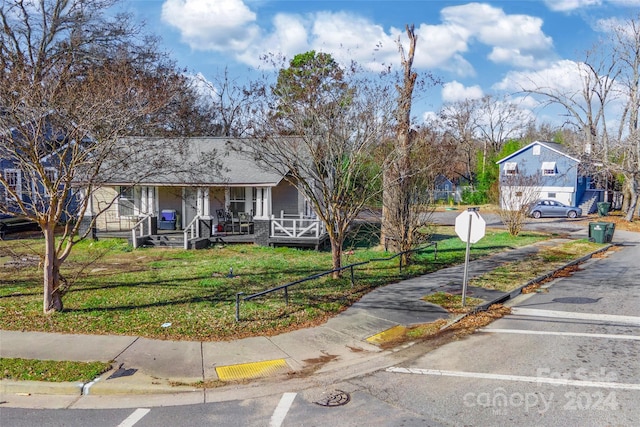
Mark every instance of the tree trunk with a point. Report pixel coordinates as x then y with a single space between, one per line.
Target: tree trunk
52 301
396 220
634 187
336 257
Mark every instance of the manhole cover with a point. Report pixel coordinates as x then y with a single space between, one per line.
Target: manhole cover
334 398
576 300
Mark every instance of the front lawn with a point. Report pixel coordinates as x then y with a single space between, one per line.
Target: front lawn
188 295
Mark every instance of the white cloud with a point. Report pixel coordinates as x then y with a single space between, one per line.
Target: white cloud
515 39
350 37
289 37
562 76
441 46
569 5
231 26
626 3
455 91
222 25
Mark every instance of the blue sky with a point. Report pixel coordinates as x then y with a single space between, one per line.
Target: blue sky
474 48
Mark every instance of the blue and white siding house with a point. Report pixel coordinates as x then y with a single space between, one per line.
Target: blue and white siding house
541 170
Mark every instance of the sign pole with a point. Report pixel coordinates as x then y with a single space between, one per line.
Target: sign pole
466 263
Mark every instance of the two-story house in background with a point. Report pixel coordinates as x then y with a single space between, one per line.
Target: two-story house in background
546 171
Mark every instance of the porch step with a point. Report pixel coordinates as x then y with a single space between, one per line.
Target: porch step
165 240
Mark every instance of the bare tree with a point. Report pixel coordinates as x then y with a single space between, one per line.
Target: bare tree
458 123
320 124
626 52
401 208
73 82
498 121
517 193
229 102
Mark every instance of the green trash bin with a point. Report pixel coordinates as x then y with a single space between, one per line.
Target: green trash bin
603 208
601 232
611 227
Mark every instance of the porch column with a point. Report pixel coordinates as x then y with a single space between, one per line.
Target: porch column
258 212
248 199
199 202
205 202
263 203
267 206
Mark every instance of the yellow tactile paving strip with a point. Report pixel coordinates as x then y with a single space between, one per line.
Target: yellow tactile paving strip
388 335
245 371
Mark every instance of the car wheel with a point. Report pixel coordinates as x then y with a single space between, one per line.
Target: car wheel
536 214
572 214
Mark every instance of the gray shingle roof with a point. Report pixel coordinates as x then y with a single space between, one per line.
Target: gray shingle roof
206 161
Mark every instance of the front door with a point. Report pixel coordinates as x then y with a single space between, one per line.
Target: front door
190 205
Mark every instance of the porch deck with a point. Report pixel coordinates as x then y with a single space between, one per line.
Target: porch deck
293 232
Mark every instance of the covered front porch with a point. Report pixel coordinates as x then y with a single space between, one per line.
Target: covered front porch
195 217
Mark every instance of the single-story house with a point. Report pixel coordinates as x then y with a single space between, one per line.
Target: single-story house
544 170
206 188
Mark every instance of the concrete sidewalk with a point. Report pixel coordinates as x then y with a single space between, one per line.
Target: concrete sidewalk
144 365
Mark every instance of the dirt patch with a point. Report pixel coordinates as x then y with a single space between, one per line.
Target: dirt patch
312 365
434 331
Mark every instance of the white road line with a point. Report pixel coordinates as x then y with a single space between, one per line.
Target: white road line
517 378
632 320
281 410
136 416
563 334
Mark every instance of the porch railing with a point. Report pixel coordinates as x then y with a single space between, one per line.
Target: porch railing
139 227
192 231
296 227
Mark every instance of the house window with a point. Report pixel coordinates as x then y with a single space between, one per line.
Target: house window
126 202
13 179
536 150
237 197
551 195
518 193
548 168
511 168
51 174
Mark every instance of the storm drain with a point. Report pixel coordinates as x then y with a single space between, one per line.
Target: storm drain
122 372
334 398
576 300
252 370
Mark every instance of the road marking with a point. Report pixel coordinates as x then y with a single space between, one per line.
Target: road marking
633 320
516 378
136 416
282 409
564 334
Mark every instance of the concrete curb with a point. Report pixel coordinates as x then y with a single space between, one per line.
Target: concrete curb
518 291
40 387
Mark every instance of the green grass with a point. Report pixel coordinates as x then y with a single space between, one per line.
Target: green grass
452 303
119 291
512 275
50 370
